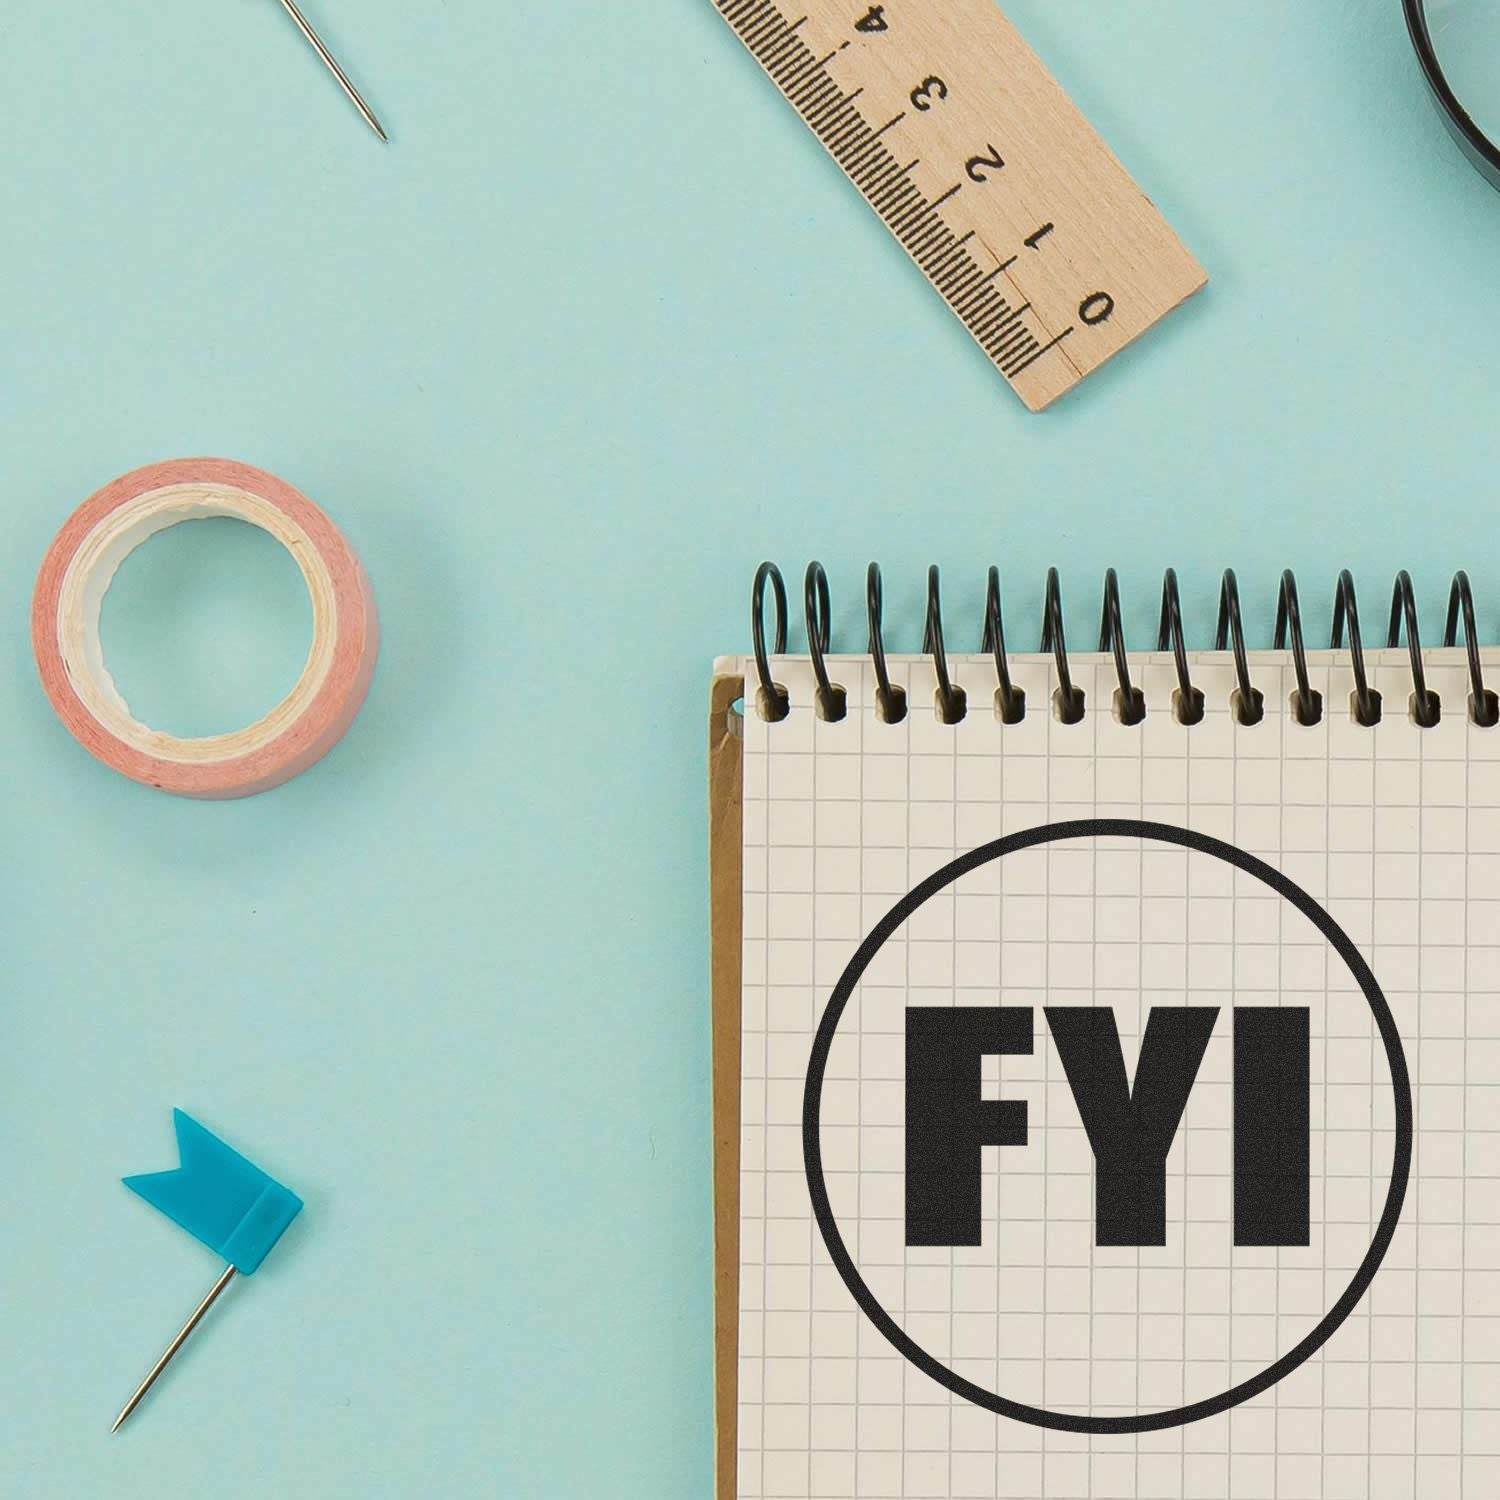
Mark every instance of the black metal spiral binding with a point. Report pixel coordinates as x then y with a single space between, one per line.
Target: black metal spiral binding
1249 704
952 701
1010 701
1130 702
1188 699
1189 707
1307 702
774 702
1068 698
818 611
890 700
1484 707
1367 707
1426 709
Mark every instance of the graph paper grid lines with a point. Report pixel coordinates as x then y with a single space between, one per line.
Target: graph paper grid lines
1393 829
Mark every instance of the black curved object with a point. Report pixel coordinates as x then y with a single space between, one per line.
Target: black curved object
774 702
1426 707
889 699
951 700
1070 704
1484 706
1010 701
1112 639
1366 700
1307 702
1472 141
832 700
1250 705
1169 633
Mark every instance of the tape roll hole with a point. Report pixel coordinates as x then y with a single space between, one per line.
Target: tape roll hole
206 626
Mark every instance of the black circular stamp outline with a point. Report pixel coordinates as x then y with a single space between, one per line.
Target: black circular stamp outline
1164 833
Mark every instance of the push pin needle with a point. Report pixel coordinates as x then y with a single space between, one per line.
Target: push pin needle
332 63
226 1202
173 1347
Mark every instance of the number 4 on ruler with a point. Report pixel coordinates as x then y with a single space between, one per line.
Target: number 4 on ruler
985 171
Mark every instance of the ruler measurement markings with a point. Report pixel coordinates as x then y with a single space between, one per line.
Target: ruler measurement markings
841 113
994 319
767 27
787 54
1018 349
881 172
983 290
931 245
958 260
817 67
810 81
958 68
821 110
1027 347
892 196
957 279
976 293
1005 342
970 299
794 67
904 219
874 139
897 199
1007 336
899 190
862 159
817 94
769 20
844 144
945 263
910 192
990 325
961 282
927 242
909 222
879 169
1041 350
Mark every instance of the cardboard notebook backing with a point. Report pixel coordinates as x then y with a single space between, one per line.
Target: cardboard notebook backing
726 860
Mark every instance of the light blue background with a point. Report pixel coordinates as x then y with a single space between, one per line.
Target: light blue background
597 331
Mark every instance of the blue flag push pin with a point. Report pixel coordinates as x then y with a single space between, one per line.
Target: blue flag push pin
223 1200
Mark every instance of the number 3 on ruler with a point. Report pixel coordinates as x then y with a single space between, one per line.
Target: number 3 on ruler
928 90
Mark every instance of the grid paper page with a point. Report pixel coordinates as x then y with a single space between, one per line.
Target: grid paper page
1055 1302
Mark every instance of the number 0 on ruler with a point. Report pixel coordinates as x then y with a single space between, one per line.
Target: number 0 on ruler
996 185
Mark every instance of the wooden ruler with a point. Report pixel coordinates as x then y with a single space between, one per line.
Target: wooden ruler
999 189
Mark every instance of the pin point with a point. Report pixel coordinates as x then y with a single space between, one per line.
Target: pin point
331 63
223 1200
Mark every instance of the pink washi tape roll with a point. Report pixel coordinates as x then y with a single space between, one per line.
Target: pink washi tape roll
77 570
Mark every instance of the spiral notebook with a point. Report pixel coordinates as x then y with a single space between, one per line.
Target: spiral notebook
1107 1064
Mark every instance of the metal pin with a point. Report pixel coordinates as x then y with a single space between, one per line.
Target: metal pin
333 67
174 1346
